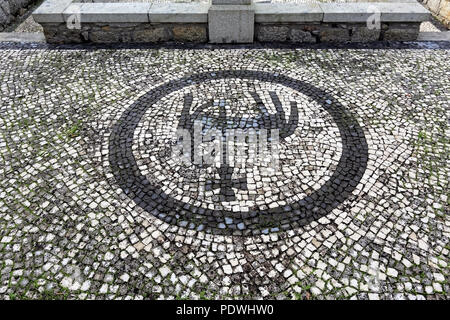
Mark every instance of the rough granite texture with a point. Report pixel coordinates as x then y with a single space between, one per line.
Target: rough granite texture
9 9
126 32
198 32
441 8
355 32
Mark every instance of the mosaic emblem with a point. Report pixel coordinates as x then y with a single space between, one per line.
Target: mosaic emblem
301 153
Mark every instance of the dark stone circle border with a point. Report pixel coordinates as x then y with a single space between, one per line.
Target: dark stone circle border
152 199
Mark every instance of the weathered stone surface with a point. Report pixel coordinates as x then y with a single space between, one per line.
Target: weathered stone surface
271 33
190 33
109 12
51 11
298 35
287 12
444 13
5 15
58 33
330 34
154 34
21 37
231 24
345 12
360 12
434 36
363 34
179 13
238 2
403 12
401 32
434 5
106 35
440 8
9 9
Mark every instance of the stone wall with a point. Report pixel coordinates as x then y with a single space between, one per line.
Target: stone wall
126 32
9 9
342 32
441 8
198 32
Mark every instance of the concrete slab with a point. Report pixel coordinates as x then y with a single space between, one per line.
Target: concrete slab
287 12
51 11
231 23
109 12
179 13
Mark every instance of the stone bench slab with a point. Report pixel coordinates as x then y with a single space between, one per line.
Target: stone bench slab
109 12
287 12
57 11
360 12
232 2
179 13
51 11
404 12
346 12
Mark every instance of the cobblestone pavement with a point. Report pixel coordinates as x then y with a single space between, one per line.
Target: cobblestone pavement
93 206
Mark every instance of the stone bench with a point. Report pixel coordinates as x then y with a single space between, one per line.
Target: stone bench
229 21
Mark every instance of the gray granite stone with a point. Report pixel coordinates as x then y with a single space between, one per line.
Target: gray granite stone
287 12
363 34
403 12
346 12
434 36
190 33
235 2
231 24
334 34
401 32
151 34
179 13
51 11
302 36
266 33
109 12
22 37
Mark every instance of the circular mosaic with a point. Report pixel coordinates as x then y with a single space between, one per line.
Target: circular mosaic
295 155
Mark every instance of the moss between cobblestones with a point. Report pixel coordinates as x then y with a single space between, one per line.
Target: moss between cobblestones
52 190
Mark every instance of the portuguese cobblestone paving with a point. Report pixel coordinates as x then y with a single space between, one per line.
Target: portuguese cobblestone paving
94 206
